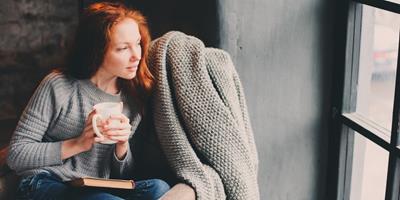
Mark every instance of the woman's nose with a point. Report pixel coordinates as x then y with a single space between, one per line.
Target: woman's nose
135 55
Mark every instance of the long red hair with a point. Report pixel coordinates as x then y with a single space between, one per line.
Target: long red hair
92 40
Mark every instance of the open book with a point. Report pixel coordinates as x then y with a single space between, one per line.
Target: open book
103 182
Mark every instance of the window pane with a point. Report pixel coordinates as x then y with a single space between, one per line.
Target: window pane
369 170
377 65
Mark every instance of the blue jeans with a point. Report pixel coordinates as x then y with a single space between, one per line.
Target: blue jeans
45 186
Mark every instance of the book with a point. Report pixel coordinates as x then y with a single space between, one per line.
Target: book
103 182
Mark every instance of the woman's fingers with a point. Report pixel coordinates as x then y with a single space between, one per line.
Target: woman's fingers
120 117
123 132
112 124
120 138
98 139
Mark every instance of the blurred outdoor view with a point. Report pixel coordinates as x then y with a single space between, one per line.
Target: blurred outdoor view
375 97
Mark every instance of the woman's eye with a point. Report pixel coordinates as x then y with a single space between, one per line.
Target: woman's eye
122 48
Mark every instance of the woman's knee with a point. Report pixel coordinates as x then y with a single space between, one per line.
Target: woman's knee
160 185
157 187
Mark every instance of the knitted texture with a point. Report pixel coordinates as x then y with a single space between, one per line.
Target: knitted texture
57 111
201 118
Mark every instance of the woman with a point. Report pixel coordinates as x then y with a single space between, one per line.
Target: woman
54 141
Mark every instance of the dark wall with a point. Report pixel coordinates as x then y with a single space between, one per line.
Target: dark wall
33 37
283 53
198 18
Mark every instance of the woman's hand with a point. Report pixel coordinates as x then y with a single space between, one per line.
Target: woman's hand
82 143
88 137
118 128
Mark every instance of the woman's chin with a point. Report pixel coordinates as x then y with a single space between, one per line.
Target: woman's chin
128 76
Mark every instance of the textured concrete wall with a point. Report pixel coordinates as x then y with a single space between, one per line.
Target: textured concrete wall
283 53
33 35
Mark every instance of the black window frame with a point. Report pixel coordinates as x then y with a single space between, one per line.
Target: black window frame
345 72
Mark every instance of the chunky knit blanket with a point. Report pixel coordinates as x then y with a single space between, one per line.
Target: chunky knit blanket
201 118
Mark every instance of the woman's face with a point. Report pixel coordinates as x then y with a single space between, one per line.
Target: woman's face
124 51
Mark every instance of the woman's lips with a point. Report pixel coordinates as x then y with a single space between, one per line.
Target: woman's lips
132 68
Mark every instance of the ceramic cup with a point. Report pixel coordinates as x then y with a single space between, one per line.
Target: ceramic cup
103 112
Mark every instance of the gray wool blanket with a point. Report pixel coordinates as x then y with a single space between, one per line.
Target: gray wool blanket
201 118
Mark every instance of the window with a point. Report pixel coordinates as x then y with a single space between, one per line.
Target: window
370 103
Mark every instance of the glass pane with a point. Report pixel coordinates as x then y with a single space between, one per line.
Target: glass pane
377 65
369 170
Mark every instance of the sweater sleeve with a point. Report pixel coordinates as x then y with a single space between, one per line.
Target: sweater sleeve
27 151
122 169
246 119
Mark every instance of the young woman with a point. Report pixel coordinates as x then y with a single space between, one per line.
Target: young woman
54 141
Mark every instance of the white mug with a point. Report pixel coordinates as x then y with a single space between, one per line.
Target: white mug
104 111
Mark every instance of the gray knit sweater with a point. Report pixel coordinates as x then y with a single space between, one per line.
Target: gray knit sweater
201 118
57 111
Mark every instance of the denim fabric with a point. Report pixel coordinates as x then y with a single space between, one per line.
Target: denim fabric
46 186
41 186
